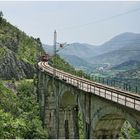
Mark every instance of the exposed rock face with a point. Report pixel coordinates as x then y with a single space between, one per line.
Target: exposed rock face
18 52
12 67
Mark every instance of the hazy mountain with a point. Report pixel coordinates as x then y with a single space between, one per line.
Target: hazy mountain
77 49
83 51
123 47
78 62
118 42
76 54
132 64
128 52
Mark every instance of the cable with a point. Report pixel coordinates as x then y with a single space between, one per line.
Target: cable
100 20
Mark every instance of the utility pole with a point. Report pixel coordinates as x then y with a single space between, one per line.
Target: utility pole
55 38
54 88
56 94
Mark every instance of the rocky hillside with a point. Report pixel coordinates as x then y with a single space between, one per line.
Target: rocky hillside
18 52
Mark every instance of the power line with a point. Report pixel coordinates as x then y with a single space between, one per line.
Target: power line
100 20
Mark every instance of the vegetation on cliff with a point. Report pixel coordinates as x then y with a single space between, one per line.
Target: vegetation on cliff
18 52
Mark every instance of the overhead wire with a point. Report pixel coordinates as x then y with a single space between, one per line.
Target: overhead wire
103 20
100 20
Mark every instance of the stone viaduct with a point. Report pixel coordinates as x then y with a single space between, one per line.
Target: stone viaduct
62 103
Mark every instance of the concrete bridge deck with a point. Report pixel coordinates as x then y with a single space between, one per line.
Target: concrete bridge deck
121 97
104 109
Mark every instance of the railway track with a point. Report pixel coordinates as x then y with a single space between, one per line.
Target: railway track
124 98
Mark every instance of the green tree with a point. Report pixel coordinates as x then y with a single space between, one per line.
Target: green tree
11 127
19 113
1 16
30 110
128 132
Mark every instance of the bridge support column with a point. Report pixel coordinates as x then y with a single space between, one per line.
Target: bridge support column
41 95
68 123
59 121
47 104
87 116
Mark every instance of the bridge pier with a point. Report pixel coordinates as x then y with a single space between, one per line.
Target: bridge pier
46 103
87 116
60 119
68 124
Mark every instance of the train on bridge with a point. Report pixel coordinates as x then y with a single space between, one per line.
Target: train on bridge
45 57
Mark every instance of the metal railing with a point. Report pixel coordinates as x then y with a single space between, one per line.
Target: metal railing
131 85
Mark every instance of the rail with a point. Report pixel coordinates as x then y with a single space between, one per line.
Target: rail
110 93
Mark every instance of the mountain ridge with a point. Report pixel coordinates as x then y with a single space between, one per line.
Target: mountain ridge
120 46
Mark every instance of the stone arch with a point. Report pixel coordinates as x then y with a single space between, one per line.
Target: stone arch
109 126
68 99
108 121
68 113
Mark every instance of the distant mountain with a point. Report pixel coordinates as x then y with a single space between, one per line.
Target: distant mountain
116 57
83 51
76 54
118 42
86 51
132 64
122 48
126 48
78 62
77 49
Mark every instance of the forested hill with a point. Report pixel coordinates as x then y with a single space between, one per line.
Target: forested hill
18 52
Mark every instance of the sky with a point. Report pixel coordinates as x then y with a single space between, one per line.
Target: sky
75 21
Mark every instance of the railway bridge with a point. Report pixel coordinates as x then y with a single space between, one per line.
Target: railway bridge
64 97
